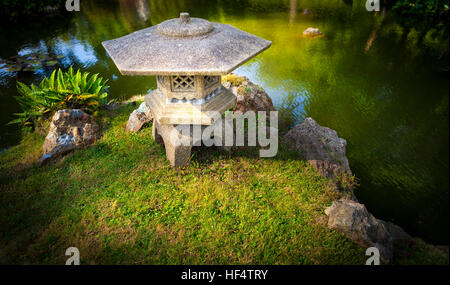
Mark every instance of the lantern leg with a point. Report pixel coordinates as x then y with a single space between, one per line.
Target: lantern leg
156 136
178 155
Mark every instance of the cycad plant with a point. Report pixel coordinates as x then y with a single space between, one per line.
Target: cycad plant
60 91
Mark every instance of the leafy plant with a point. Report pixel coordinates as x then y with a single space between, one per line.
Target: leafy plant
61 90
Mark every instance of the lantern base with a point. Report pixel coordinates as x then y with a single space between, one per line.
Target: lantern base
187 113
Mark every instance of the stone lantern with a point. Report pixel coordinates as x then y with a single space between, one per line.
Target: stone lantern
188 56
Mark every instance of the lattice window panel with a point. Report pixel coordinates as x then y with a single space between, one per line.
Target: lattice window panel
182 83
211 80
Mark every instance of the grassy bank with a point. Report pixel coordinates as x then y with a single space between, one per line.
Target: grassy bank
119 202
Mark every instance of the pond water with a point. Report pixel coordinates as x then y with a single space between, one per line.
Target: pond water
388 99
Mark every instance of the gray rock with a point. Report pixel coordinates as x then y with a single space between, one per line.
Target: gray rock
355 222
320 146
70 129
397 233
138 118
312 32
249 96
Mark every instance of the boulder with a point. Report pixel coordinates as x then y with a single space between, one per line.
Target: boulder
397 233
321 147
138 118
249 96
312 32
355 222
69 129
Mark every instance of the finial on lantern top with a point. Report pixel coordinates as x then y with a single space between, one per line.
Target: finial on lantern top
185 18
184 26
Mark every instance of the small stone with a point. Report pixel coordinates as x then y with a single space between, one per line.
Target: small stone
312 32
138 118
354 221
69 129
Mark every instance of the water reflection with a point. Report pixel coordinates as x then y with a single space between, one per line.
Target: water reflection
292 10
390 102
76 52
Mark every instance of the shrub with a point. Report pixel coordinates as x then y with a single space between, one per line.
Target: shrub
423 15
60 91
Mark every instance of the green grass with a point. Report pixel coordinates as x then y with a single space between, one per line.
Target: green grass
119 202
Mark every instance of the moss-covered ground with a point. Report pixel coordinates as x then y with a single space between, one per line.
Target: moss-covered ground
119 202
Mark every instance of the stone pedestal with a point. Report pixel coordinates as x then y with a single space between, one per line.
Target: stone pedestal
168 115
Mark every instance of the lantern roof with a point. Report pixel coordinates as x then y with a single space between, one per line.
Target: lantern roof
184 45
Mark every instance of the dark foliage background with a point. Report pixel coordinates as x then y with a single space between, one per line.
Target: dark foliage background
423 15
12 9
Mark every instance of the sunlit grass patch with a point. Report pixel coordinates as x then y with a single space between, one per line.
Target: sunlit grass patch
119 202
